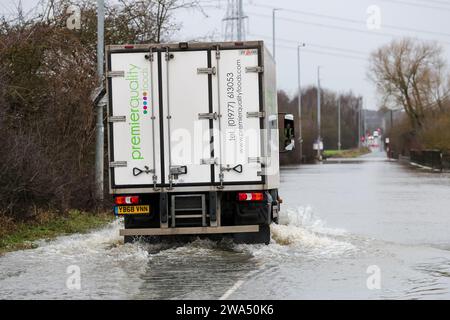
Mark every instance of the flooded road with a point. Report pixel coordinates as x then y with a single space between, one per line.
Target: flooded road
364 229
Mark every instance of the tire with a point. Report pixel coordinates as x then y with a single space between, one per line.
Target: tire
129 239
142 239
264 234
274 195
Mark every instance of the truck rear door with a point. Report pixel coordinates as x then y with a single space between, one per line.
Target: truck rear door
133 119
185 90
237 134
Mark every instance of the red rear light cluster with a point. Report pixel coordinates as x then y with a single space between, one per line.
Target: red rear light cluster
127 200
250 196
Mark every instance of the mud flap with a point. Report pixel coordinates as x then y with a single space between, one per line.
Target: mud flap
263 236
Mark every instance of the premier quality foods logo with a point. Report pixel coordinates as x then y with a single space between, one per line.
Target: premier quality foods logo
138 102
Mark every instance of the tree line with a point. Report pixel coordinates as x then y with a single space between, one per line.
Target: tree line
47 117
414 85
349 106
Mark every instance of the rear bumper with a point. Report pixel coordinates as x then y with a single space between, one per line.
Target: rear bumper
188 230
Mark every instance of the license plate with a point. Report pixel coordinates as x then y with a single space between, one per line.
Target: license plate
132 210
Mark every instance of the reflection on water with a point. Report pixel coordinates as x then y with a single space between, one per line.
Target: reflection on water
198 270
337 220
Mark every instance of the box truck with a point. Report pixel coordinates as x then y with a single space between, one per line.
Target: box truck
193 139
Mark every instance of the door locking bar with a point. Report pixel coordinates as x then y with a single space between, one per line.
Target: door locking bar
150 57
219 103
169 56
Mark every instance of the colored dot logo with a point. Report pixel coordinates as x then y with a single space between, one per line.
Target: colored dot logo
145 103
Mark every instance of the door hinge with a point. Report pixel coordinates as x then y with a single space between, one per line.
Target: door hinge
113 74
261 160
256 114
208 116
257 69
208 161
261 173
149 56
217 52
206 70
117 119
117 164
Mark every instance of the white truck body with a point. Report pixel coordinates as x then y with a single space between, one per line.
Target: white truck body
192 117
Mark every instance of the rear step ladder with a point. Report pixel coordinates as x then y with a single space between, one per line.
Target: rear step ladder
190 206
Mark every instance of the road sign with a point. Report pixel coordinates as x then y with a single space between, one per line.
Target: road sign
315 146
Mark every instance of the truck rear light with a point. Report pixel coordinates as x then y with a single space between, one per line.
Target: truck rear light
128 47
127 200
251 196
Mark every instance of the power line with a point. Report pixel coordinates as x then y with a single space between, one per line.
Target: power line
420 5
339 55
315 45
354 21
445 3
334 27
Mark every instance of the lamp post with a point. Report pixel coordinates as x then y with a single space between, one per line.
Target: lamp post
319 153
273 31
99 106
339 123
300 118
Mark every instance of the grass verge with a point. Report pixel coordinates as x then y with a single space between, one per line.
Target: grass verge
350 153
19 236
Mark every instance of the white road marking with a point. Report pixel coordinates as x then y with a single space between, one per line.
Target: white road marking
236 286
232 290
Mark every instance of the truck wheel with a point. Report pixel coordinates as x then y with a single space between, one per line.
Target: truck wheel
129 239
264 234
275 206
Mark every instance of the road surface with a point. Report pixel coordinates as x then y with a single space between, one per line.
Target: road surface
351 229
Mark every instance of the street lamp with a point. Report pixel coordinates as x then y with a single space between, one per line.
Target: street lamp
359 121
339 123
300 118
99 126
319 153
273 31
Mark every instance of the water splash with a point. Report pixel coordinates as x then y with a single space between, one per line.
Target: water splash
300 228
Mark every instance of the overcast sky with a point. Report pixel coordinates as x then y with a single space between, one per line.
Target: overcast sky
335 33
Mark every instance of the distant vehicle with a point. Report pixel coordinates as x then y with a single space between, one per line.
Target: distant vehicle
376 134
193 139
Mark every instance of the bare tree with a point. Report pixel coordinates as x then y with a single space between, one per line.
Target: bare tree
410 74
47 121
154 18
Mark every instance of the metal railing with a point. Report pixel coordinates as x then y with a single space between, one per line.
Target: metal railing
428 158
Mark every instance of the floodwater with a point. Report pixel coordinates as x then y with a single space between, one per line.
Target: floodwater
352 229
